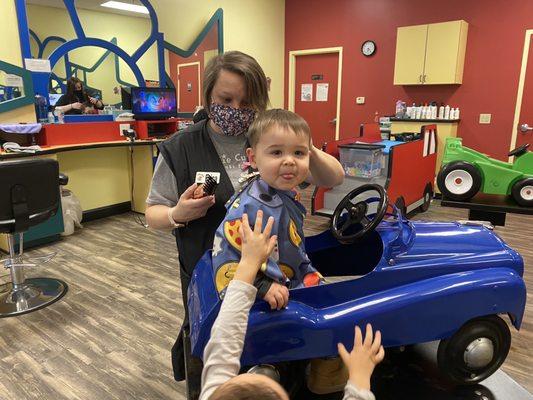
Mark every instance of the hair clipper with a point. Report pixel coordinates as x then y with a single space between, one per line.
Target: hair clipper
210 185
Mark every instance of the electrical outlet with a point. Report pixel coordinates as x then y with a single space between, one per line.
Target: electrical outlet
485 118
360 100
123 127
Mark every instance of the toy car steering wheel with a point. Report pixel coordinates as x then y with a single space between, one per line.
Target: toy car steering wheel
519 150
350 216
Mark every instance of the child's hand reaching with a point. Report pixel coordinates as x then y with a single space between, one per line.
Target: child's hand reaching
364 356
277 296
256 247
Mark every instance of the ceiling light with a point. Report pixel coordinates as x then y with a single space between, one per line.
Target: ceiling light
119 5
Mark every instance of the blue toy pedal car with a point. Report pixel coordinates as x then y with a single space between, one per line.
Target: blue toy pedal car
415 281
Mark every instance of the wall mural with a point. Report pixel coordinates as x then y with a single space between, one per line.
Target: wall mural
44 82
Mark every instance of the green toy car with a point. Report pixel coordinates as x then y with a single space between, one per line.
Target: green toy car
464 172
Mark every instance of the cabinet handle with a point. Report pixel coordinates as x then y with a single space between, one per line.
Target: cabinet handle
424 78
420 78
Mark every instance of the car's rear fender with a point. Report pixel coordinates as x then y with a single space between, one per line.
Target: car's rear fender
419 312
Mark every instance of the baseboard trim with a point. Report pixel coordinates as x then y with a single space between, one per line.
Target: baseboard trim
107 211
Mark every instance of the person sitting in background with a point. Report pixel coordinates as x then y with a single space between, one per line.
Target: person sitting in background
220 379
77 100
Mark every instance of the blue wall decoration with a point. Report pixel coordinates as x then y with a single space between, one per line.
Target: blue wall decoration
41 81
73 69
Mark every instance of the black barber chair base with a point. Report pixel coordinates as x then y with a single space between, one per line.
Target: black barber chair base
29 196
33 294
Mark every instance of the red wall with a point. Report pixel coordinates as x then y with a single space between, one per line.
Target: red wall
210 42
492 66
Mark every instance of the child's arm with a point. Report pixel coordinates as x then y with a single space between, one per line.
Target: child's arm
223 351
361 362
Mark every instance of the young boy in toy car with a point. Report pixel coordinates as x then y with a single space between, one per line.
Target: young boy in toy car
280 141
220 379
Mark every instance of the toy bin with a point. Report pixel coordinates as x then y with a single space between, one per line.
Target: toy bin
361 160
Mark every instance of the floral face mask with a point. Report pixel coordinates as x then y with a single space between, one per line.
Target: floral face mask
232 121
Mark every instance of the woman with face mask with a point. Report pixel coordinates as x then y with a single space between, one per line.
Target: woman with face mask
235 89
76 100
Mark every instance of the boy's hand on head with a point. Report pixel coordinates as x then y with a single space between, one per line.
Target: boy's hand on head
277 296
256 246
364 356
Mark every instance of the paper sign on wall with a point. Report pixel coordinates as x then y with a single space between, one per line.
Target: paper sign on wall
13 80
37 65
307 92
322 91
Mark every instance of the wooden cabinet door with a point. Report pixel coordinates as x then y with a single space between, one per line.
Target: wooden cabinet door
410 55
446 44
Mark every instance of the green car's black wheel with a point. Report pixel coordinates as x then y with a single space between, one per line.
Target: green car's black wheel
523 192
459 180
475 351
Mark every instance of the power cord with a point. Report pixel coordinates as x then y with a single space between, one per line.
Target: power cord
136 216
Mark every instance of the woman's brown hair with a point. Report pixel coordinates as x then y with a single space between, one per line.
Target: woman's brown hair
244 65
71 87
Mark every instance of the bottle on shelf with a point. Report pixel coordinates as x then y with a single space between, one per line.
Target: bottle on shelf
60 116
41 109
441 112
447 112
457 113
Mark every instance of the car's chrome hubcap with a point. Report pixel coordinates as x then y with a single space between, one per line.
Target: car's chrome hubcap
527 192
459 181
479 353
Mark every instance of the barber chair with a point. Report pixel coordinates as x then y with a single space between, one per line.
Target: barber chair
29 195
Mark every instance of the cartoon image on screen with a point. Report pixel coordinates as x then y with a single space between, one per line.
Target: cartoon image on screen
154 102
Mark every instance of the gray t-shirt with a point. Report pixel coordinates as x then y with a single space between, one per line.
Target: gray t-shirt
230 149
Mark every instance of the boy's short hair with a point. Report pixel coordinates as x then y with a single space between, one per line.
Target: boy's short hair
241 64
277 117
244 391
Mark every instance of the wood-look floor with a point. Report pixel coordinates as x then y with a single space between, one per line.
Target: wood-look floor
109 337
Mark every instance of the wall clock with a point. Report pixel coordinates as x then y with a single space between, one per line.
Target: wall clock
368 48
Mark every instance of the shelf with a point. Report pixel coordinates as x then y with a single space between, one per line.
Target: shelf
440 121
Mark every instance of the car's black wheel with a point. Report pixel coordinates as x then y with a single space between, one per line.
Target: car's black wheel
428 195
459 180
475 351
523 192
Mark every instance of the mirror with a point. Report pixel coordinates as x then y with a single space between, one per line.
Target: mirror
16 88
124 33
101 70
11 86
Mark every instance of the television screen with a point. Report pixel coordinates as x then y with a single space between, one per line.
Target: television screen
153 103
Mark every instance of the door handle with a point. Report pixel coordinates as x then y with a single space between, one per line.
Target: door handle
525 128
334 121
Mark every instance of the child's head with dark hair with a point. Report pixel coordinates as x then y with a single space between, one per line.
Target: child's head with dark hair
250 387
280 143
283 119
